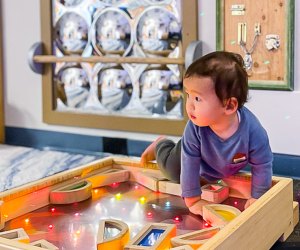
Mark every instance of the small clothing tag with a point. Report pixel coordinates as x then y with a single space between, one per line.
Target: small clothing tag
239 157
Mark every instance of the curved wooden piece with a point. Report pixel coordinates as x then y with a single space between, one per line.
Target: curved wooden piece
116 242
195 239
219 214
75 192
185 247
108 177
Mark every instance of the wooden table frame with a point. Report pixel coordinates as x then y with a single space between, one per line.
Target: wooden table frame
272 217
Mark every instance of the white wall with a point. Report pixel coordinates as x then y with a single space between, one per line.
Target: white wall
279 111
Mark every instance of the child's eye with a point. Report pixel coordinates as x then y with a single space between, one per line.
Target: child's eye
197 99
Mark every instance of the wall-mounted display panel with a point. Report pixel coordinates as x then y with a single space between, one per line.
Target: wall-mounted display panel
263 34
145 95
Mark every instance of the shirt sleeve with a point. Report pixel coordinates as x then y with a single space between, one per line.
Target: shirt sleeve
261 162
190 162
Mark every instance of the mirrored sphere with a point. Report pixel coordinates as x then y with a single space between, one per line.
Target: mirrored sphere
112 32
72 86
114 88
71 33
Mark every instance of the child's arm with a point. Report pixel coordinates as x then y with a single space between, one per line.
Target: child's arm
261 162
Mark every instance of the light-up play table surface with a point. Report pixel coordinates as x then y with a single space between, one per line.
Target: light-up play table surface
146 197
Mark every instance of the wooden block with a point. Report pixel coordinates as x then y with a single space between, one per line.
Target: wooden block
116 242
219 214
184 247
7 244
169 187
156 236
195 239
75 192
18 234
266 219
148 179
108 177
292 225
134 162
2 221
239 185
296 213
44 244
214 193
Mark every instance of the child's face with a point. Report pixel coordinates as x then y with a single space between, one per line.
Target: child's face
202 105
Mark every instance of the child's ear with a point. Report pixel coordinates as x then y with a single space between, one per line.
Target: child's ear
232 104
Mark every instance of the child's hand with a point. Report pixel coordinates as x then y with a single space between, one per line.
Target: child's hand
195 204
250 202
149 153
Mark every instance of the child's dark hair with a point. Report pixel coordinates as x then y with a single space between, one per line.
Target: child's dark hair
227 71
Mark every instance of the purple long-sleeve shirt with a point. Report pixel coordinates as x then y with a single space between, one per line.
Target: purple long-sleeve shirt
205 154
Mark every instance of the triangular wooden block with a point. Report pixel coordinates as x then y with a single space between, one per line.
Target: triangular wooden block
155 236
116 241
195 239
44 244
219 214
75 192
18 234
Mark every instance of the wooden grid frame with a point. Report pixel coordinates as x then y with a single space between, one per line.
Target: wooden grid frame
271 70
273 216
111 122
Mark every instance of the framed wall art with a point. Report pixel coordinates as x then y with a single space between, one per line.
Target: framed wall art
263 33
116 65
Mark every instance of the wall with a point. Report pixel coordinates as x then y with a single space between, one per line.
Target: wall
279 111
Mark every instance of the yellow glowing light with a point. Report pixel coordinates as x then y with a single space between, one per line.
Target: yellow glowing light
226 215
96 191
118 196
142 200
27 221
78 232
5 216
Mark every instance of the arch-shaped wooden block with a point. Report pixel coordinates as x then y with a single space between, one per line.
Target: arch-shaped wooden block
108 177
116 242
219 214
75 192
